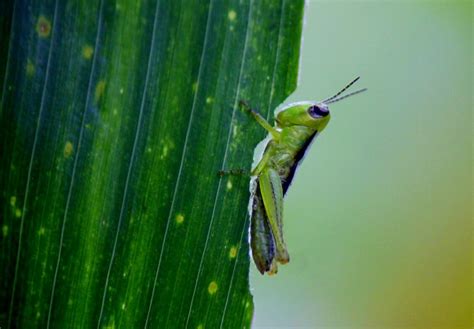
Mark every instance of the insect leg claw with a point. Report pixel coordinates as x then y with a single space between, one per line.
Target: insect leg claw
234 172
246 107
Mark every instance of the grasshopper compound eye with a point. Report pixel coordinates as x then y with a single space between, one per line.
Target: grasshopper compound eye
318 111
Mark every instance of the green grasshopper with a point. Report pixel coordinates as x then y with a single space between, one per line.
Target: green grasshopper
296 126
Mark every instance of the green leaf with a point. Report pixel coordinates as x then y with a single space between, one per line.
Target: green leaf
116 117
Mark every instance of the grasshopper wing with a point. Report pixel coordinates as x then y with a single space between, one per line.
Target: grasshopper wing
298 158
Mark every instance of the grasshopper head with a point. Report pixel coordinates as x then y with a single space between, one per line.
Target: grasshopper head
308 114
314 115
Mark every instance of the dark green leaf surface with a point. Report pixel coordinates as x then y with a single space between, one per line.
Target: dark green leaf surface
115 118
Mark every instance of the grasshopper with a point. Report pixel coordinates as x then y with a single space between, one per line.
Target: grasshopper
296 127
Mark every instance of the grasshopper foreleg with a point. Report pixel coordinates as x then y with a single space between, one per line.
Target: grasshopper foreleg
260 120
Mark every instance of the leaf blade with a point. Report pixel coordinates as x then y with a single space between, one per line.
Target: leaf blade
130 224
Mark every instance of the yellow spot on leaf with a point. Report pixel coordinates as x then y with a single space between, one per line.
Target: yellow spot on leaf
212 288
123 306
200 326
18 212
232 15
99 90
229 185
68 149
111 325
195 86
235 130
13 201
179 218
209 100
121 91
87 51
5 230
233 252
43 27
41 231
164 152
30 68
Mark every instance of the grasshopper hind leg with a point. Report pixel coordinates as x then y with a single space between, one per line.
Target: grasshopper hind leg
272 195
262 242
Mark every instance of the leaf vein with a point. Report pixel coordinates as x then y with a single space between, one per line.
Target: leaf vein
229 134
178 179
71 185
268 116
131 162
30 166
5 79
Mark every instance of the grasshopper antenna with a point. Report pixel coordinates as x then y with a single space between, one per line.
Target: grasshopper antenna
345 96
343 90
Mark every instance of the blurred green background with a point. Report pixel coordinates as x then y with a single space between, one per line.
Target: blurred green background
378 221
